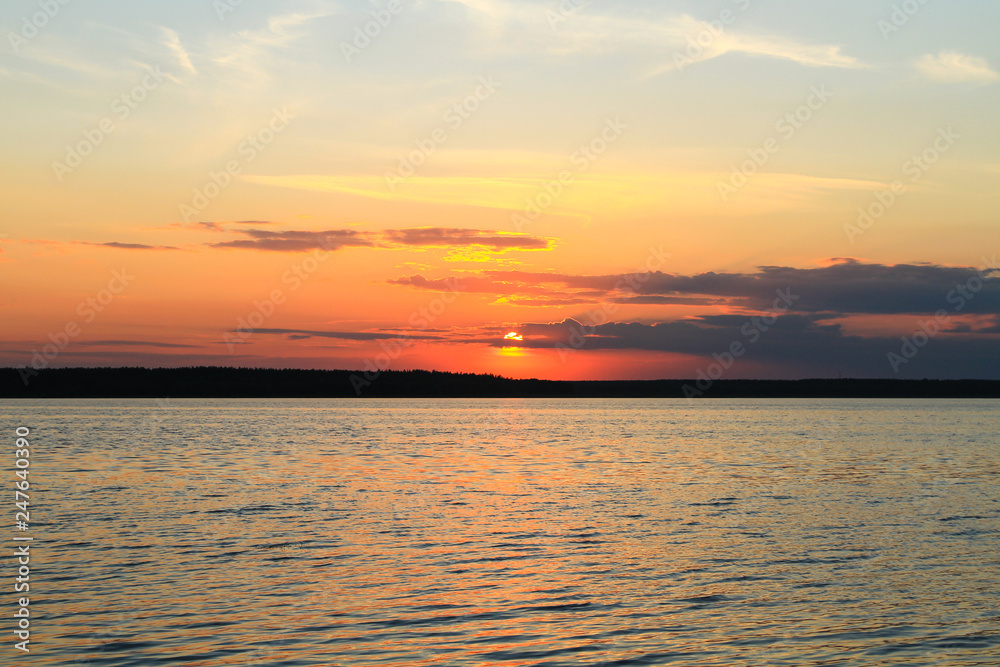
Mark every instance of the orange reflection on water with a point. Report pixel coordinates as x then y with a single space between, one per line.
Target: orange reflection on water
415 533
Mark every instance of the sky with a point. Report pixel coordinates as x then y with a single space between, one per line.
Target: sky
563 190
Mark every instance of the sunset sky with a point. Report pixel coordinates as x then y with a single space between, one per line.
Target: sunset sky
634 189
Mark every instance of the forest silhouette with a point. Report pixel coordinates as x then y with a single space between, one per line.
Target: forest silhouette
226 382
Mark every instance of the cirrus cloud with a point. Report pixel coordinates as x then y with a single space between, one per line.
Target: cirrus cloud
951 67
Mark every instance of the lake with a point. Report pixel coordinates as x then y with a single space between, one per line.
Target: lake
539 533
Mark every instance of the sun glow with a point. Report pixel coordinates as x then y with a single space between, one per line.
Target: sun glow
513 336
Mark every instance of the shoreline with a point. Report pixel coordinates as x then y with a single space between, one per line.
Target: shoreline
229 382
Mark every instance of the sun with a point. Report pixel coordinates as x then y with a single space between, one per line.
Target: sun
513 336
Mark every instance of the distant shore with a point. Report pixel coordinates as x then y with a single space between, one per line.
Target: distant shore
222 382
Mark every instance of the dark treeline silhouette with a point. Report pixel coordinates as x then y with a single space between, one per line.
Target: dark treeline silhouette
219 382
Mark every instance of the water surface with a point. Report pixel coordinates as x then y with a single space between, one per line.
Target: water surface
513 532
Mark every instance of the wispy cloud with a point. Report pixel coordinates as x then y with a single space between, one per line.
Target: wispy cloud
591 194
173 42
133 343
219 226
811 55
517 27
246 49
951 66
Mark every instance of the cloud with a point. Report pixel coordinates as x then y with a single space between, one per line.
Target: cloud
253 51
443 237
132 343
993 329
791 345
437 237
850 286
595 193
302 334
669 301
951 66
297 241
732 41
488 282
128 246
519 27
219 226
504 192
173 42
810 55
990 326
846 286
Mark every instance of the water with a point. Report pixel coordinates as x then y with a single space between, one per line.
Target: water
518 533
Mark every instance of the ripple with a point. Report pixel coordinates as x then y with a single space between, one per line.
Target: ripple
398 533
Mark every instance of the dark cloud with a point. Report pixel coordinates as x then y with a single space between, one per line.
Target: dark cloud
791 345
330 240
847 287
444 238
853 287
129 246
301 334
220 226
297 241
463 283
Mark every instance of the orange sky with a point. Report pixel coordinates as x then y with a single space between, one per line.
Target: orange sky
481 168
